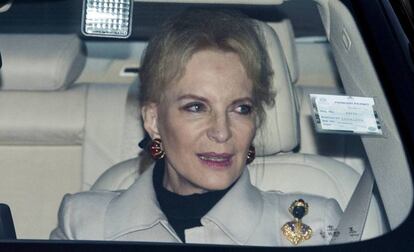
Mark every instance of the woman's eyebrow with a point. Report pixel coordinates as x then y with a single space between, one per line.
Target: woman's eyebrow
200 98
243 99
191 96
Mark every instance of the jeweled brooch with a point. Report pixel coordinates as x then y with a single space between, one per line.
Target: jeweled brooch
296 231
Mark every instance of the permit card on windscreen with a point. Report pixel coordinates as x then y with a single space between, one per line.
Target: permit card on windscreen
345 114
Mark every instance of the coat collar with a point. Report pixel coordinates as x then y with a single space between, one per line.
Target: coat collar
137 209
238 213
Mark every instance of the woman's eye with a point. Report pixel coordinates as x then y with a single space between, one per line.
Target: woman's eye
194 107
244 109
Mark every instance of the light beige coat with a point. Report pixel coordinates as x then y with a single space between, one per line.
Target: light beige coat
244 216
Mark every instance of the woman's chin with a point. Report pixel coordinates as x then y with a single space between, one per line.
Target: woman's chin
216 183
219 174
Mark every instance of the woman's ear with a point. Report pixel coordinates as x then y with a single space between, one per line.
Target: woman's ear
150 116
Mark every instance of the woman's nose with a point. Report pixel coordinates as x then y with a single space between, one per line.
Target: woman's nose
219 130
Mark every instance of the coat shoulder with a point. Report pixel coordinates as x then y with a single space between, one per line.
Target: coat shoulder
81 215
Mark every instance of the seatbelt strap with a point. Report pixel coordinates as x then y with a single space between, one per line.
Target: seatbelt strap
353 219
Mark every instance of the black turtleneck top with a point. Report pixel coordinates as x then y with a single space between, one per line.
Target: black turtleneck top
183 212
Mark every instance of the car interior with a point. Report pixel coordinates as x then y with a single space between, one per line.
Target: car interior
70 120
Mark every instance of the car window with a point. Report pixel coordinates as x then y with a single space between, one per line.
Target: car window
68 115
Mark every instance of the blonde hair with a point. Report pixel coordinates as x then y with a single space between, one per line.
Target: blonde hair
168 52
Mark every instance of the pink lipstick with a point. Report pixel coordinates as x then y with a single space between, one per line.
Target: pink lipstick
216 160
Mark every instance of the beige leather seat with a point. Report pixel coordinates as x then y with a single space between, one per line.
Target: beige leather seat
277 167
41 126
312 71
56 135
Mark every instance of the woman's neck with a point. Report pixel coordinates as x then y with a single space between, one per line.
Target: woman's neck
173 182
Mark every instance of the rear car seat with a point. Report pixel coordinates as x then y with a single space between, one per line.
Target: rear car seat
276 166
41 126
55 136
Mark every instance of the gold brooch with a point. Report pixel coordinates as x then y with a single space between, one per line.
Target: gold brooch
296 231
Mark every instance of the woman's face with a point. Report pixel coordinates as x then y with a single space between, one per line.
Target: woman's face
206 122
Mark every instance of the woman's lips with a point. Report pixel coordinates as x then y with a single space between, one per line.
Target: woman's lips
216 160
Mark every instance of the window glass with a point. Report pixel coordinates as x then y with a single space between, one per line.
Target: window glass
66 117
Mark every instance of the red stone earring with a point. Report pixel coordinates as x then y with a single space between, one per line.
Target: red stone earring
156 150
251 154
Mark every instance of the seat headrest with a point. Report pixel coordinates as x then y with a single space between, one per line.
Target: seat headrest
284 31
279 132
40 61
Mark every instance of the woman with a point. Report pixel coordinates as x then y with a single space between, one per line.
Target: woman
205 80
